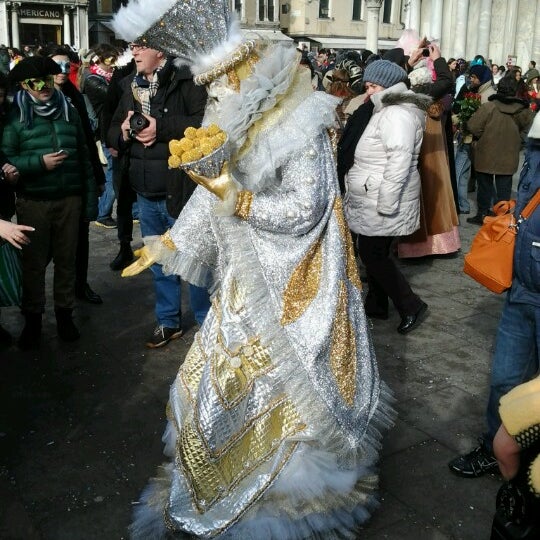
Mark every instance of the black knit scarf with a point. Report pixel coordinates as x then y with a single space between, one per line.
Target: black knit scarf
354 128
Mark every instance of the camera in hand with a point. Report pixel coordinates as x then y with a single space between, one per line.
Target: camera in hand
137 123
425 52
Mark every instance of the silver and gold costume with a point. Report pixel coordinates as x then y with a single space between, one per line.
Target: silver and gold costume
275 416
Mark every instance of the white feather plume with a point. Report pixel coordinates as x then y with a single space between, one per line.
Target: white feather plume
133 20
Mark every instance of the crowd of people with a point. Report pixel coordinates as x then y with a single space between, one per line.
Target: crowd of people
367 158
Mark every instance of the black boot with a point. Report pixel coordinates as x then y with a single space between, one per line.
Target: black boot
31 334
67 331
478 219
5 337
85 292
124 258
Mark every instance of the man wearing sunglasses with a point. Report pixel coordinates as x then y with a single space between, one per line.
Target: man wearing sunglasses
44 139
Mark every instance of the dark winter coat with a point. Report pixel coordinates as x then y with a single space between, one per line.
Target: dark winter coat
77 100
526 284
177 105
25 147
95 87
497 125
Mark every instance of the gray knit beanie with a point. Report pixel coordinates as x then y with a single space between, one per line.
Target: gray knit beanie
384 73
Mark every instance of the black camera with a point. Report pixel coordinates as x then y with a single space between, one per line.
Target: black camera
137 123
425 52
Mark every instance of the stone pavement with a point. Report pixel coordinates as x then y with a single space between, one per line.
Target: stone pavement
80 424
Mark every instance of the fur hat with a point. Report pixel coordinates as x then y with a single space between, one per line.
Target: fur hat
421 74
34 67
482 72
384 73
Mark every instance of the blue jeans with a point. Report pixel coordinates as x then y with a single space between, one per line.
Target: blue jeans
463 174
516 357
106 200
155 220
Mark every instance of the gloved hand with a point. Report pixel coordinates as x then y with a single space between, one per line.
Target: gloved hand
144 260
222 187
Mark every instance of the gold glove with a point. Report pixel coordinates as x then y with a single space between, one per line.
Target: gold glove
144 260
221 186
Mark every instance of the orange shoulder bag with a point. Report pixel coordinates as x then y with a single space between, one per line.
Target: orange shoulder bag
491 257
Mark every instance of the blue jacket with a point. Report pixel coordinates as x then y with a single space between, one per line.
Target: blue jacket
526 283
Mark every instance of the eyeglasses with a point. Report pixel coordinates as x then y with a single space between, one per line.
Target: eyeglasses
64 66
136 46
38 84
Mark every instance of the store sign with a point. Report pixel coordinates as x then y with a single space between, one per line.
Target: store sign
39 11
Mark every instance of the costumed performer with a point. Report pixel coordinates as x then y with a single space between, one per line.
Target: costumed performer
275 416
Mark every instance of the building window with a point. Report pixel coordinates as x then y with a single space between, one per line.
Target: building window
236 5
267 11
387 12
271 10
357 10
324 9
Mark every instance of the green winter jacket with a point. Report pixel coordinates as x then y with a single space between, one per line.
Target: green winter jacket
25 147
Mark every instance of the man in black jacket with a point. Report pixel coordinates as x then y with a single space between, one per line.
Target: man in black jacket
166 102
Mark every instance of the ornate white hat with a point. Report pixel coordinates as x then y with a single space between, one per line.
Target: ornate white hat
200 33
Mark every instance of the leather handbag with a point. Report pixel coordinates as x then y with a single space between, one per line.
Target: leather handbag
491 257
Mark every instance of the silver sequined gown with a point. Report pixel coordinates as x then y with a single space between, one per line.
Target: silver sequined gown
276 413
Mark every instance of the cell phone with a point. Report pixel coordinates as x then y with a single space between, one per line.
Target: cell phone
61 151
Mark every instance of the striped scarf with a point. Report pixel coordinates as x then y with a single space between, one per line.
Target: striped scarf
144 90
56 107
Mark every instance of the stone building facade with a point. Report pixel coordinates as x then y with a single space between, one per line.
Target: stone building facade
32 22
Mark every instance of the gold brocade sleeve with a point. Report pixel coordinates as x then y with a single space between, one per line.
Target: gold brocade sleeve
243 204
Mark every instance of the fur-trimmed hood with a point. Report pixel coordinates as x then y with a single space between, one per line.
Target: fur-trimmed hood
399 94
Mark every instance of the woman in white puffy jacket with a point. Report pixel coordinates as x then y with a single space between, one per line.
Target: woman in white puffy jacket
382 199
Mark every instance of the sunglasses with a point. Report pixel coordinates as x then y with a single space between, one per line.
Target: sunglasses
38 84
136 46
64 66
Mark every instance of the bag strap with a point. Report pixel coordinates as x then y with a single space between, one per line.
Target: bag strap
531 205
504 207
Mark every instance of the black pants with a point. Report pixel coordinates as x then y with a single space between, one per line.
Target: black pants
384 278
125 197
81 257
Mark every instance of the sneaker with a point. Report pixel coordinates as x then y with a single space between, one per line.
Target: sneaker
107 223
162 335
475 463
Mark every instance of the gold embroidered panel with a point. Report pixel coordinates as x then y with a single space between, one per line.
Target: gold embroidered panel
211 479
234 372
343 349
190 372
345 233
303 285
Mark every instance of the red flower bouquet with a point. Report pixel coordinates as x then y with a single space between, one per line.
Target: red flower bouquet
468 106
